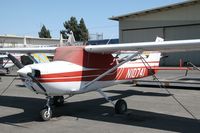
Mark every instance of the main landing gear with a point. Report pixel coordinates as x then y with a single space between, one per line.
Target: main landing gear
120 105
46 112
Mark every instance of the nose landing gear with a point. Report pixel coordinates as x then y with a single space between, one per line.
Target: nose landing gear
46 113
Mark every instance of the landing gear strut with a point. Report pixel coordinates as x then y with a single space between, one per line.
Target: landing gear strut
120 106
46 113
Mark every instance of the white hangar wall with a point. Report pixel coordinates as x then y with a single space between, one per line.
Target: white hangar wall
174 22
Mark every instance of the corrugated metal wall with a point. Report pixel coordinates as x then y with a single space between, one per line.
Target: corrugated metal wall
177 24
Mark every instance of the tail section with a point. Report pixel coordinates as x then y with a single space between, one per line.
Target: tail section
142 66
153 58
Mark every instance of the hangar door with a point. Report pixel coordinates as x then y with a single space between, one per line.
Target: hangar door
141 35
181 33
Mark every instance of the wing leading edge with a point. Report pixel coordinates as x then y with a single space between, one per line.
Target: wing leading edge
162 46
28 50
165 46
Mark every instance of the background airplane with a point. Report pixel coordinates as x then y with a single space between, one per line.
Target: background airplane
6 64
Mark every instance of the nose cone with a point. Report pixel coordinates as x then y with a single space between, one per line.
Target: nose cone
23 71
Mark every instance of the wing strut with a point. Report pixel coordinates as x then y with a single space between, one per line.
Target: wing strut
112 69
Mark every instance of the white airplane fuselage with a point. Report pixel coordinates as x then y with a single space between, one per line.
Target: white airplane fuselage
66 78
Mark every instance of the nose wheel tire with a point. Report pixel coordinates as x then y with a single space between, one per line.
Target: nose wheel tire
120 107
46 114
58 100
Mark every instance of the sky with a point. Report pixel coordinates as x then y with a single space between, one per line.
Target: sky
26 17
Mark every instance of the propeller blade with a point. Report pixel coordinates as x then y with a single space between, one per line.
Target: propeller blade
36 81
15 61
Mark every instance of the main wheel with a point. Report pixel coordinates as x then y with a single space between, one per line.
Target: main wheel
58 100
120 107
45 115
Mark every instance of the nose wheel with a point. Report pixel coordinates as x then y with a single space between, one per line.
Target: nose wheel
46 113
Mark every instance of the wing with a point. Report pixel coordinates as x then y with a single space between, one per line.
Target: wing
28 50
3 56
162 46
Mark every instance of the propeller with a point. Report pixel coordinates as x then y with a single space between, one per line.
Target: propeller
34 74
15 61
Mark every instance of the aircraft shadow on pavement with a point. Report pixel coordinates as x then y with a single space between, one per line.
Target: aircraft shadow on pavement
8 75
93 110
20 85
169 87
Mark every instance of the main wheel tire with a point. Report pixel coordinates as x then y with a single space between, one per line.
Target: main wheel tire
58 100
45 116
120 107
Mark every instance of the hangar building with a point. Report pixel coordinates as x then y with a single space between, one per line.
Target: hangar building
173 22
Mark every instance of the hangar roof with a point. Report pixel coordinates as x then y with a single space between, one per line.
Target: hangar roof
155 10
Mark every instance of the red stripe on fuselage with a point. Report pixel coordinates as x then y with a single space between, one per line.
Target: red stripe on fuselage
86 72
89 75
74 74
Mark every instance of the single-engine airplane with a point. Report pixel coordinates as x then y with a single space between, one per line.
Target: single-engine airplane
81 69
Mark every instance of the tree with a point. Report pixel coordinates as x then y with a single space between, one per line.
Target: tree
71 25
44 33
80 31
84 35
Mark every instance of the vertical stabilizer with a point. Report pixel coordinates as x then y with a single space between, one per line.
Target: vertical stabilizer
155 56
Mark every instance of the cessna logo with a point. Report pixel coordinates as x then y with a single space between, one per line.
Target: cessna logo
135 73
